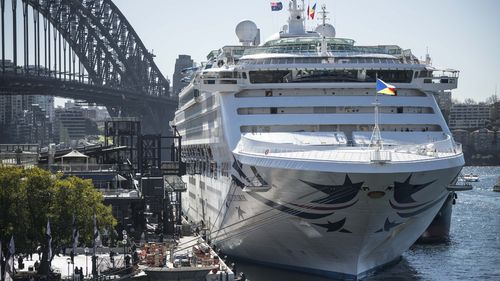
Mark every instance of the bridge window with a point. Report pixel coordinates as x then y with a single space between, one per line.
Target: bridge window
257 77
394 76
313 75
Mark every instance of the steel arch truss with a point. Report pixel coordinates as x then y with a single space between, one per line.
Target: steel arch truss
106 44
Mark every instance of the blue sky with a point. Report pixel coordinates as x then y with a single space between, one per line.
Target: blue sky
459 34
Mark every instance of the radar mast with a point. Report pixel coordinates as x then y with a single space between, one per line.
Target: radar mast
324 47
296 19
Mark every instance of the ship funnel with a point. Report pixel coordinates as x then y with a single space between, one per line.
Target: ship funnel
247 32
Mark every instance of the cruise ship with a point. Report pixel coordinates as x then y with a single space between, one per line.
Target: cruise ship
293 159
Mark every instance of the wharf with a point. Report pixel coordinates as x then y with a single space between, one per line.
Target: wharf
190 259
61 265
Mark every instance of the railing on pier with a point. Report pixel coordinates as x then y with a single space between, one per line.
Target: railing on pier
19 154
68 168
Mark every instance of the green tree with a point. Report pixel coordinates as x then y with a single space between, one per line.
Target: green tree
13 206
31 197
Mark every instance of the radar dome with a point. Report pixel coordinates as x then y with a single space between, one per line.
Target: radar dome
246 31
326 30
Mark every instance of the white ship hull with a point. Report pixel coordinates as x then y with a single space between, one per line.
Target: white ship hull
333 224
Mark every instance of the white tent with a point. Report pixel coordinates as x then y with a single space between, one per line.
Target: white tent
75 155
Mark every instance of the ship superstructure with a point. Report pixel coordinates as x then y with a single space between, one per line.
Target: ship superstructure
283 166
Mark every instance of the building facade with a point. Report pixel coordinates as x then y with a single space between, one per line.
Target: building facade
70 124
484 140
182 62
469 116
26 119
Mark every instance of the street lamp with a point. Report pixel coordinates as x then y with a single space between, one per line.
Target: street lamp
69 262
86 250
124 242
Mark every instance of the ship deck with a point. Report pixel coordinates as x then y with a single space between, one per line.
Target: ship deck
353 155
398 153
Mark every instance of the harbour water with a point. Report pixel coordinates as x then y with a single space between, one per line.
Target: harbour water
471 254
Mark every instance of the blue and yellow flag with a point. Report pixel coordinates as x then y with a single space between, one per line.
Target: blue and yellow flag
385 88
311 11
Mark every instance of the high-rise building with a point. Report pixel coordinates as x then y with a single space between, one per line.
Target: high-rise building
46 103
469 116
21 114
34 126
70 124
182 62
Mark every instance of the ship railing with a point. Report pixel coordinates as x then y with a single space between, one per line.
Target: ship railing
437 149
313 58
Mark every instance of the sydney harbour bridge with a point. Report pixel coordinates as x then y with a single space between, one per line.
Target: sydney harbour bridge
85 50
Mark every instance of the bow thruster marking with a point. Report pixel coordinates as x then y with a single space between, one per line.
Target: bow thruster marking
334 226
288 210
388 225
411 214
403 191
337 194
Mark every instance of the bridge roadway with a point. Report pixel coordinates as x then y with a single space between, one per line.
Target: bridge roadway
12 84
155 112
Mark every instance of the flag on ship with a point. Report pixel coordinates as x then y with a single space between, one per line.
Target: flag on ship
386 88
97 235
311 12
76 234
276 6
9 263
49 241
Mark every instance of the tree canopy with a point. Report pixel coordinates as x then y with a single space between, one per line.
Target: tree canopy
30 197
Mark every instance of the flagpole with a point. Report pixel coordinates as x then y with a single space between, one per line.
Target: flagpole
376 139
94 257
1 260
9 261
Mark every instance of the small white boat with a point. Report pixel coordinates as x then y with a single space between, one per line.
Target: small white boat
471 177
496 187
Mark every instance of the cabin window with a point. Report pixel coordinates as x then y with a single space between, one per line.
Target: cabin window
274 110
257 77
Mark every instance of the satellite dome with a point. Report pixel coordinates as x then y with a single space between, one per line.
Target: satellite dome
246 31
326 30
